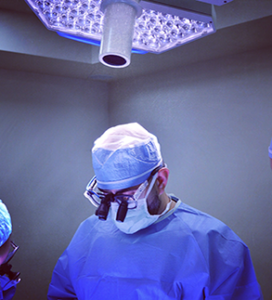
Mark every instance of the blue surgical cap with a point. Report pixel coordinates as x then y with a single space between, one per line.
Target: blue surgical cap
124 156
5 223
270 150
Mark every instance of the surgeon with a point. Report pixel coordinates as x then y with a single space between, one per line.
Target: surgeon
8 279
270 153
143 243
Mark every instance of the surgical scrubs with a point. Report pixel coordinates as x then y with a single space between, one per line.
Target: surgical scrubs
7 288
186 255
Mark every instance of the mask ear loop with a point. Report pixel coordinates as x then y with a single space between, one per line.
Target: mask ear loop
143 187
139 191
123 207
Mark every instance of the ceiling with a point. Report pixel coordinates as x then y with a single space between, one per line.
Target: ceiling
26 45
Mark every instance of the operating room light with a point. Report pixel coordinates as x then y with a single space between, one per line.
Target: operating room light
157 27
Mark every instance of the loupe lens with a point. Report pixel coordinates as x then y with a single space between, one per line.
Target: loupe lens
103 209
122 211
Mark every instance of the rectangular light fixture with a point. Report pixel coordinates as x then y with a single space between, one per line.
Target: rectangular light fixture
158 28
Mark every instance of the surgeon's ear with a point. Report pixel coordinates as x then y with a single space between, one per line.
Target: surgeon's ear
162 179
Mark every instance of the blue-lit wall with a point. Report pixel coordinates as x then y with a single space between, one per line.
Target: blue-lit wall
47 128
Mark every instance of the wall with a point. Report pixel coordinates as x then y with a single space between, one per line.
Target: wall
214 122
47 127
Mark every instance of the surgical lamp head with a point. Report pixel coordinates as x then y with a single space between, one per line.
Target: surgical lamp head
122 26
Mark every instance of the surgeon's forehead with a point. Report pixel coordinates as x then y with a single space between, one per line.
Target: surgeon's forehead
122 191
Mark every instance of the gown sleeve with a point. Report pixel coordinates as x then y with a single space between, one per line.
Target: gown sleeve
232 272
227 258
60 286
8 288
64 274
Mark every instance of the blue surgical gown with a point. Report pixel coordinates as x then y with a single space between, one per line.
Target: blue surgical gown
188 255
7 288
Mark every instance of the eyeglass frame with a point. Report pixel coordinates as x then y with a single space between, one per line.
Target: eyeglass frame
11 253
5 268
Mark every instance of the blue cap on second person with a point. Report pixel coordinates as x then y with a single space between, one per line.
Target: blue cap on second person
124 156
5 223
270 150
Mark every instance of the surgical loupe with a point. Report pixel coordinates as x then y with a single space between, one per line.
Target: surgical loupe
103 200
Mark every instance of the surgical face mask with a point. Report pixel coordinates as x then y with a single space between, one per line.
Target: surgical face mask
139 217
